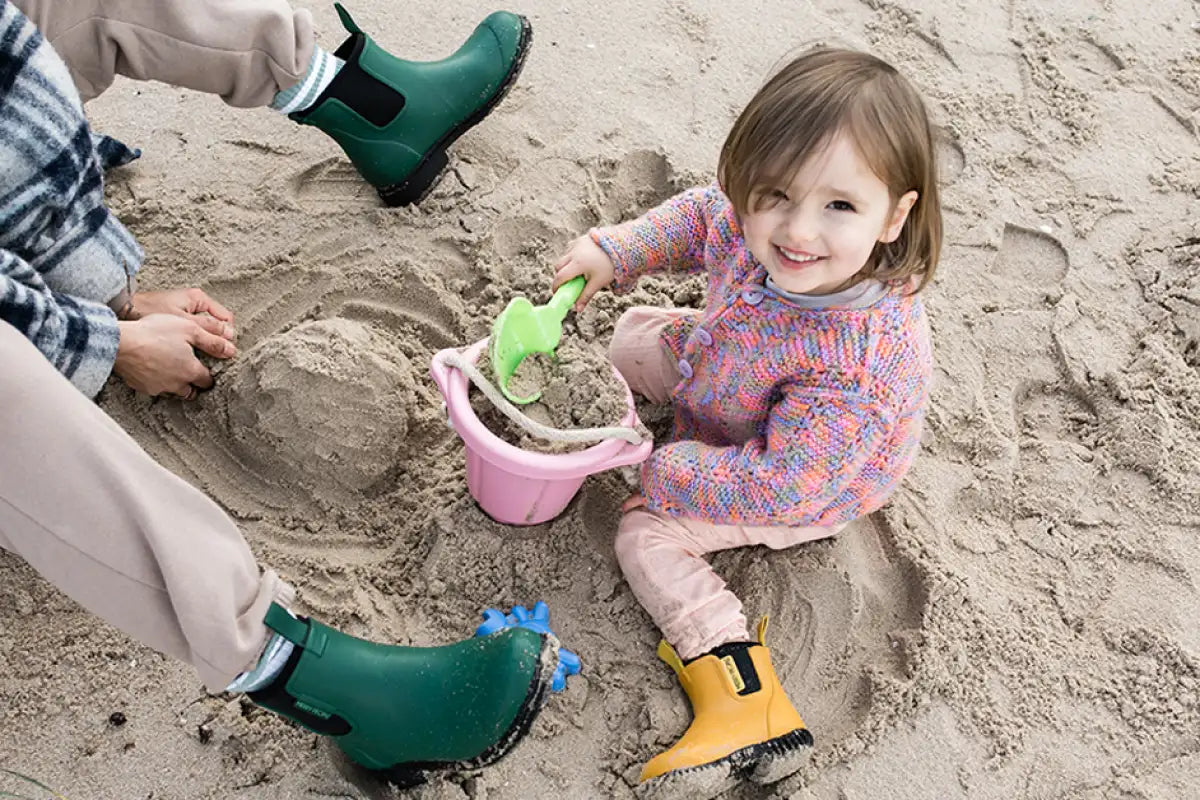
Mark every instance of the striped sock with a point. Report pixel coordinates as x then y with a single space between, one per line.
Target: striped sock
275 654
321 70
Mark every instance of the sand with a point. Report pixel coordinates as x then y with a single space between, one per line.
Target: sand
576 388
1020 621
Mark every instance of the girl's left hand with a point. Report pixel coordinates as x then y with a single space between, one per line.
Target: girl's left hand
635 501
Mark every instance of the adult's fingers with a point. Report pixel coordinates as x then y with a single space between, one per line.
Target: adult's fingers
215 326
202 379
215 346
202 303
198 377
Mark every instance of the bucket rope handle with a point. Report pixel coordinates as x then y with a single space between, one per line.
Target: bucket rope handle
575 435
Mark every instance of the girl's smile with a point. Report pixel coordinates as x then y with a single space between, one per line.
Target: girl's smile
796 259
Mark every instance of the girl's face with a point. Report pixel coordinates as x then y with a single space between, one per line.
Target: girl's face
816 234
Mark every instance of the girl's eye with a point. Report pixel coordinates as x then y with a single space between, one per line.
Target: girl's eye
841 205
769 198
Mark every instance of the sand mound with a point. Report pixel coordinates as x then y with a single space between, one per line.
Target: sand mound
330 398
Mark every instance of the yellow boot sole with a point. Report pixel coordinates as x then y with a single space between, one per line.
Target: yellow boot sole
761 763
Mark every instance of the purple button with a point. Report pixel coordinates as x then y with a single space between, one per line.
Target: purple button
703 337
685 369
752 296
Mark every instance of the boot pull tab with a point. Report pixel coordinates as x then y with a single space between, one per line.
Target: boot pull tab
287 626
762 630
670 657
347 21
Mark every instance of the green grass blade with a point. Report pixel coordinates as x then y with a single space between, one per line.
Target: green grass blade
28 779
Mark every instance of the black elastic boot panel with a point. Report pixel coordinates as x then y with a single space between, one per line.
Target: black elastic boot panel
369 97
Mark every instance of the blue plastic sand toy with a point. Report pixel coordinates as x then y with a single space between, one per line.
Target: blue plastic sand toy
537 620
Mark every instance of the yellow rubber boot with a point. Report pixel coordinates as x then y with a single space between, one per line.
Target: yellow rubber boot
743 727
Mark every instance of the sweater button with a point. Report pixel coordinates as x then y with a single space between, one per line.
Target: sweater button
704 337
685 369
752 296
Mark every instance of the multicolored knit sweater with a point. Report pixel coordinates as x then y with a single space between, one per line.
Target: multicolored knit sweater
785 416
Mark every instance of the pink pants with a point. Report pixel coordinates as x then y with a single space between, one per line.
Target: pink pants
662 556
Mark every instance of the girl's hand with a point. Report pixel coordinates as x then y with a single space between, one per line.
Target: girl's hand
193 304
635 501
584 257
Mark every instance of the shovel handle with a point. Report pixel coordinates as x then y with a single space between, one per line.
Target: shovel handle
566 295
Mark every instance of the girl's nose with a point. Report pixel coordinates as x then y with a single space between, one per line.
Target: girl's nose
801 227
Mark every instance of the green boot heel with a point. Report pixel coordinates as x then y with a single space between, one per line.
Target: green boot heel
395 119
408 711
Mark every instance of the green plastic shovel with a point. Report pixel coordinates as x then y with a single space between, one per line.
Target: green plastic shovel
523 329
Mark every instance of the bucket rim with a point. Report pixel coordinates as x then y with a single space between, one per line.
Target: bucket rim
454 386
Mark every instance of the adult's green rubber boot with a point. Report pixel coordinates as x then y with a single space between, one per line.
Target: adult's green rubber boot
395 118
407 711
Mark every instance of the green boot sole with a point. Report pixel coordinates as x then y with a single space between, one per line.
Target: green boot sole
409 711
395 119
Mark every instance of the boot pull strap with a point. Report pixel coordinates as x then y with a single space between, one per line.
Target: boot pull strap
347 21
762 630
287 626
670 657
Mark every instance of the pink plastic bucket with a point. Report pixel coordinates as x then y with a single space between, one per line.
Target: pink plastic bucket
516 486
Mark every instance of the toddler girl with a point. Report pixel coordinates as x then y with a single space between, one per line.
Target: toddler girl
799 391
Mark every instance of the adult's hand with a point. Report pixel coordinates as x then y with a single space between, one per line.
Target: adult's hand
157 354
584 257
193 303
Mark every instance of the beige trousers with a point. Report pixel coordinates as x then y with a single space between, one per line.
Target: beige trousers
243 50
661 556
86 507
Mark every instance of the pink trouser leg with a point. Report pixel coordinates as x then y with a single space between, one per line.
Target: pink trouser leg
639 356
662 556
662 559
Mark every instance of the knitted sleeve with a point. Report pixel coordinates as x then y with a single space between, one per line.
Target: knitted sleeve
79 337
814 444
670 236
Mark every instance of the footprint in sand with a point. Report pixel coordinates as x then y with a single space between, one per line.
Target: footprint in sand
638 181
1028 265
520 250
950 157
334 184
1031 258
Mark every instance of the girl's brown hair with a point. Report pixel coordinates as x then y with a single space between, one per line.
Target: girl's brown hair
818 95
